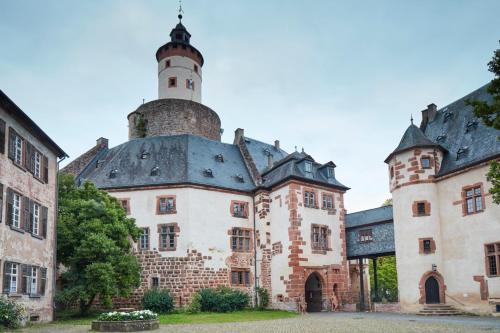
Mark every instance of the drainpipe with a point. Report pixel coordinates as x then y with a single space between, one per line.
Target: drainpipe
254 254
56 218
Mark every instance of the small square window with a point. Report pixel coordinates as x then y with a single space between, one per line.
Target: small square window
498 307
167 64
172 82
155 282
427 245
426 162
421 208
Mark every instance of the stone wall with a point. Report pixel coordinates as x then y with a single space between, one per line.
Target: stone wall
175 117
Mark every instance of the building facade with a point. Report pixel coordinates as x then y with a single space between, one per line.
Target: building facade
28 178
244 214
447 228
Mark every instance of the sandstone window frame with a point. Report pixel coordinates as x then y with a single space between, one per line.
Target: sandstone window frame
240 277
310 198
328 201
421 208
241 240
239 209
365 235
320 238
166 204
473 199
125 203
492 259
144 239
426 245
426 162
167 236
172 82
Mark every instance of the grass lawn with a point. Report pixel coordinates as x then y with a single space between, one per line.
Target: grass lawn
186 318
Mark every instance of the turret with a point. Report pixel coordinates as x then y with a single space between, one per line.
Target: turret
179 67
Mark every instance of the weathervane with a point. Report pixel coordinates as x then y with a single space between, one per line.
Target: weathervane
180 11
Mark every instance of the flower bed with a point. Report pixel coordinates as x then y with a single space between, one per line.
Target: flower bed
126 321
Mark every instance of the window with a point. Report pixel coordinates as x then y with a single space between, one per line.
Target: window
473 200
168 234
155 282
189 84
165 205
319 237
172 82
426 245
195 68
35 219
155 171
126 205
492 259
18 150
37 162
16 210
113 173
426 162
167 63
421 208
308 166
330 172
144 239
392 172
240 240
240 278
30 280
239 209
365 236
327 201
10 277
309 199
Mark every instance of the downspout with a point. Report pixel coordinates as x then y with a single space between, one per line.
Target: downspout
254 253
56 219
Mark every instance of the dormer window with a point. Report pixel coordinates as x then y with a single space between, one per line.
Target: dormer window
239 178
267 152
426 162
308 167
462 152
219 158
208 173
178 36
113 173
155 171
330 172
470 125
144 155
447 115
441 138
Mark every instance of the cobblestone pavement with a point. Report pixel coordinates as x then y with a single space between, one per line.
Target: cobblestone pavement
326 322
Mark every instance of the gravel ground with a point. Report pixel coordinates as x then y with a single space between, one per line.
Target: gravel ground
325 322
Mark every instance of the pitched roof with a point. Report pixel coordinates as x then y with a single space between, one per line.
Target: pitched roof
413 138
259 152
369 216
10 107
180 159
467 140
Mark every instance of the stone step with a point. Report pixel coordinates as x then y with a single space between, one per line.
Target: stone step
438 310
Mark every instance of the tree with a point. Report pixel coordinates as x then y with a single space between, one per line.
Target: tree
387 279
490 115
94 246
387 202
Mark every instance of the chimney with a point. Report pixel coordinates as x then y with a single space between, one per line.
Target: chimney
102 142
270 161
428 115
238 134
277 144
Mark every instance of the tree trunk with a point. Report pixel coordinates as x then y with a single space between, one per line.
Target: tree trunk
85 307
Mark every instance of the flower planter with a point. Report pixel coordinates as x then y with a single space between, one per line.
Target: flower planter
126 325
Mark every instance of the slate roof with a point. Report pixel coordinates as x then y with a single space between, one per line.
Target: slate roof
181 159
293 166
413 138
259 152
369 216
458 130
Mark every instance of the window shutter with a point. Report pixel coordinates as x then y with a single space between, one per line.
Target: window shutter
45 213
12 142
6 281
43 280
45 168
28 149
2 136
25 277
26 214
1 202
10 199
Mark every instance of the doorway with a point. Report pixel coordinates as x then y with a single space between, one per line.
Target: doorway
313 291
431 291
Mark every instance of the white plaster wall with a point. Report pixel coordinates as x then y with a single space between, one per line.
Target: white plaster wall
204 218
182 68
464 238
22 247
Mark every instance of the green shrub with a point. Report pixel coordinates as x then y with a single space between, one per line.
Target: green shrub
222 299
263 298
195 305
11 314
159 301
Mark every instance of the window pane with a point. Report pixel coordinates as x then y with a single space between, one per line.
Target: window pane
470 206
492 263
468 193
477 191
479 204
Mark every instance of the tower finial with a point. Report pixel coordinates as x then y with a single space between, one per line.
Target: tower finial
180 10
411 118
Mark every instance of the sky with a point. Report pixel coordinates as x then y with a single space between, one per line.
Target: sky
340 79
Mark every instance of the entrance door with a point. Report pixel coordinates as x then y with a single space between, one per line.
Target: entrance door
314 298
431 291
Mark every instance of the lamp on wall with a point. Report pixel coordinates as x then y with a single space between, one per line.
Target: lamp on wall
434 267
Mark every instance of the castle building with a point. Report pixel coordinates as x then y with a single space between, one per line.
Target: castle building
241 214
28 178
446 226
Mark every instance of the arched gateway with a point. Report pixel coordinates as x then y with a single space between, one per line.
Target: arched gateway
313 293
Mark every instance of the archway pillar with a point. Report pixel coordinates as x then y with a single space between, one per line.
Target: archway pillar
440 280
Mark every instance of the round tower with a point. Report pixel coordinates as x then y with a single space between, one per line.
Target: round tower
412 168
179 67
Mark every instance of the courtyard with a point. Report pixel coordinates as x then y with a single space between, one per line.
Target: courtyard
322 322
